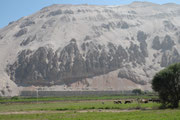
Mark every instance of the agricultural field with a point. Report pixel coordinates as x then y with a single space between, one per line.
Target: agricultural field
75 98
84 108
134 115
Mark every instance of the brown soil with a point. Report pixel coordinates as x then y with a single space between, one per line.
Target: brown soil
80 111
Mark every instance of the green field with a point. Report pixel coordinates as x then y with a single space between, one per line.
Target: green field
137 115
76 105
74 98
84 108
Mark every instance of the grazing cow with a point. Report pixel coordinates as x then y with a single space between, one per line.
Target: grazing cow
117 102
120 102
150 100
128 101
144 101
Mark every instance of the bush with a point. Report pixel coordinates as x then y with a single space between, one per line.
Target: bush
137 91
15 98
167 84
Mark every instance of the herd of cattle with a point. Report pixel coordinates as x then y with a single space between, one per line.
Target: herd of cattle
137 100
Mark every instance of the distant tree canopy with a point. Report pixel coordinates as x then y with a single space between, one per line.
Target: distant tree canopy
167 84
137 91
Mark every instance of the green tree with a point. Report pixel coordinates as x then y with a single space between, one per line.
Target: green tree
137 91
167 84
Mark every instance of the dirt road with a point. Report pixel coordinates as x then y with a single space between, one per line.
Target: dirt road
66 111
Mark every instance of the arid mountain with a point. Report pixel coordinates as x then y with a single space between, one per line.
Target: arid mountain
88 47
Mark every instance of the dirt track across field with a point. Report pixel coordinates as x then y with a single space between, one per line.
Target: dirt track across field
80 111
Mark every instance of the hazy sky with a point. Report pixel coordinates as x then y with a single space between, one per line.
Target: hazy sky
11 10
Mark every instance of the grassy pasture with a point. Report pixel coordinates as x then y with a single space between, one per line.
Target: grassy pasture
74 98
136 115
74 105
68 108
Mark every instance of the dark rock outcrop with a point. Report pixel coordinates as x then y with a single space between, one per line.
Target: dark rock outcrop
21 32
54 13
28 40
1 37
141 37
170 57
47 24
167 43
27 22
169 25
135 55
156 43
122 25
68 12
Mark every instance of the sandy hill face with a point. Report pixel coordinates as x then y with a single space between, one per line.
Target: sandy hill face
86 47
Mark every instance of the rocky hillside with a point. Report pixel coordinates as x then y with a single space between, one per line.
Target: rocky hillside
88 47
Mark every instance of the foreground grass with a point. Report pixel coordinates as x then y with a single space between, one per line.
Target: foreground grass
138 115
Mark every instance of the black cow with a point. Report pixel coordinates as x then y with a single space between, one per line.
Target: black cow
117 102
128 101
